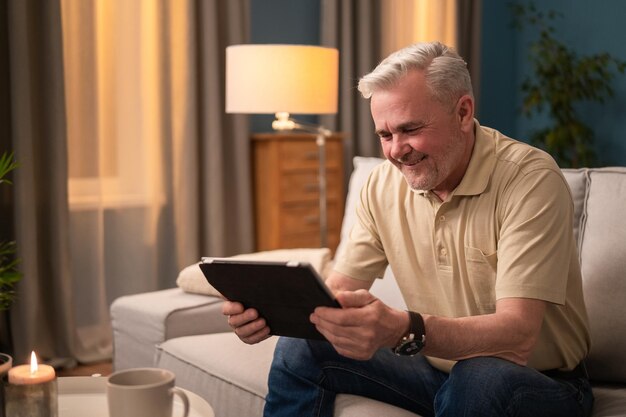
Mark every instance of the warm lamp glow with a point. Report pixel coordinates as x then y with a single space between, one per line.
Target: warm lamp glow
281 78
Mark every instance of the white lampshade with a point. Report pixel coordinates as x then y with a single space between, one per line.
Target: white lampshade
281 78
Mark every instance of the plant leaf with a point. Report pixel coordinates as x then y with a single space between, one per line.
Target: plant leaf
7 164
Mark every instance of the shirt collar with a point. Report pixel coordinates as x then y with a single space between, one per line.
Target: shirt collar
481 164
480 167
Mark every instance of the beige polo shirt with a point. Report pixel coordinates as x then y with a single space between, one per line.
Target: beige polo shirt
505 231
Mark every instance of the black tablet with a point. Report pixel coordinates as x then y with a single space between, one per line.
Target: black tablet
284 293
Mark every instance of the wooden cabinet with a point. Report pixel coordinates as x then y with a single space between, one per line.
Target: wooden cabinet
286 190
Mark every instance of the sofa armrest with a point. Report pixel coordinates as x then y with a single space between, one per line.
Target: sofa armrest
142 321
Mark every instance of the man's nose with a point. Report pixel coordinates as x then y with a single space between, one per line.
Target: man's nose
399 146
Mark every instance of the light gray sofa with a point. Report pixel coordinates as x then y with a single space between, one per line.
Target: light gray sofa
187 334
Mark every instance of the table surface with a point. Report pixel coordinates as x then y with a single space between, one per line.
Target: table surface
86 396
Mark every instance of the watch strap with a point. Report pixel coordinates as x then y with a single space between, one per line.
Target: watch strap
414 341
417 327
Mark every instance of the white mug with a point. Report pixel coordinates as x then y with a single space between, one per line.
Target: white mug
143 392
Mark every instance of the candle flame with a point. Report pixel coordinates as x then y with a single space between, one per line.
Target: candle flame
33 363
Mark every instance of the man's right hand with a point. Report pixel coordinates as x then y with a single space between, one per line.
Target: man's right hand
246 324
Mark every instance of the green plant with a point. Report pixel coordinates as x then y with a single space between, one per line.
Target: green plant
9 274
561 79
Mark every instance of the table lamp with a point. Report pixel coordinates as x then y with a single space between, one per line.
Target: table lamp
284 79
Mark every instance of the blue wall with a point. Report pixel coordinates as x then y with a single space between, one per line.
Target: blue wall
590 27
285 21
499 73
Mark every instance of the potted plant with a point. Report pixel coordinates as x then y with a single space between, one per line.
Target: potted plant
9 275
560 79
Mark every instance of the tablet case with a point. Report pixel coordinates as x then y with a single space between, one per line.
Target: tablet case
284 293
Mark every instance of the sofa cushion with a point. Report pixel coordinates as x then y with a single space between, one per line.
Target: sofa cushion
609 401
229 374
355 406
232 376
362 168
603 262
191 279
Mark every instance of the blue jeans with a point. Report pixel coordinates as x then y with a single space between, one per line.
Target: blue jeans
306 376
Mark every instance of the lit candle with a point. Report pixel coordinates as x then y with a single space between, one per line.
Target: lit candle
31 374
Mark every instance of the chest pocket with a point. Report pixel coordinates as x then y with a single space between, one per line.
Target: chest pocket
481 272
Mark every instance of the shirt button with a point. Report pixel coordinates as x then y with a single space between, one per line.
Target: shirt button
444 252
442 218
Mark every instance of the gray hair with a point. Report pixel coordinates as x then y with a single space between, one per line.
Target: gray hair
446 73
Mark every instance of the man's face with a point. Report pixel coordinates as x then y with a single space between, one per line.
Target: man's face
420 136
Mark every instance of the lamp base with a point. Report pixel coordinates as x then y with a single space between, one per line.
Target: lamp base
321 146
284 122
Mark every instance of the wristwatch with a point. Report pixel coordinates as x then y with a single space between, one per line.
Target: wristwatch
412 343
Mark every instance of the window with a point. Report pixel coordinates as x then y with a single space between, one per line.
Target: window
112 89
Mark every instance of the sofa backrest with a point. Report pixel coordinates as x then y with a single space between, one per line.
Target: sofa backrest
363 166
599 197
600 200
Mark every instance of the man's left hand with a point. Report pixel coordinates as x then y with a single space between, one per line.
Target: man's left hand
364 324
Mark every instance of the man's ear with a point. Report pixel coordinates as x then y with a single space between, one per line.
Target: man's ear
465 113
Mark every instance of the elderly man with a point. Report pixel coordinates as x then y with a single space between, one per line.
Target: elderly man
477 229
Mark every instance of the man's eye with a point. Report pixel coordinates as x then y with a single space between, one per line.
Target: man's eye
384 136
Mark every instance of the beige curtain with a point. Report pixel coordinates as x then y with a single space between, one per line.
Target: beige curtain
405 22
130 168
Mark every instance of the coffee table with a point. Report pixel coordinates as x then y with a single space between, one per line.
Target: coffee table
81 396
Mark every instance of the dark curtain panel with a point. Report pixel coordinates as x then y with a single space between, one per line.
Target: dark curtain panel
41 317
7 232
469 17
224 144
353 26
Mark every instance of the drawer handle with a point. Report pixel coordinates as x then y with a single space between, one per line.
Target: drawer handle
311 219
310 156
311 187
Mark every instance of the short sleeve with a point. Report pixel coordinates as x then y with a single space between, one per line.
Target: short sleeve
536 238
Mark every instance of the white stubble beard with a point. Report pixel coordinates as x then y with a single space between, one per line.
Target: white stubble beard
437 172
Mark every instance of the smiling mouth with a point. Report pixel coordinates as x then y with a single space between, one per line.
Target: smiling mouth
414 162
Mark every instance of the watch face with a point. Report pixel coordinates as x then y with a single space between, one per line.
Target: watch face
410 347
